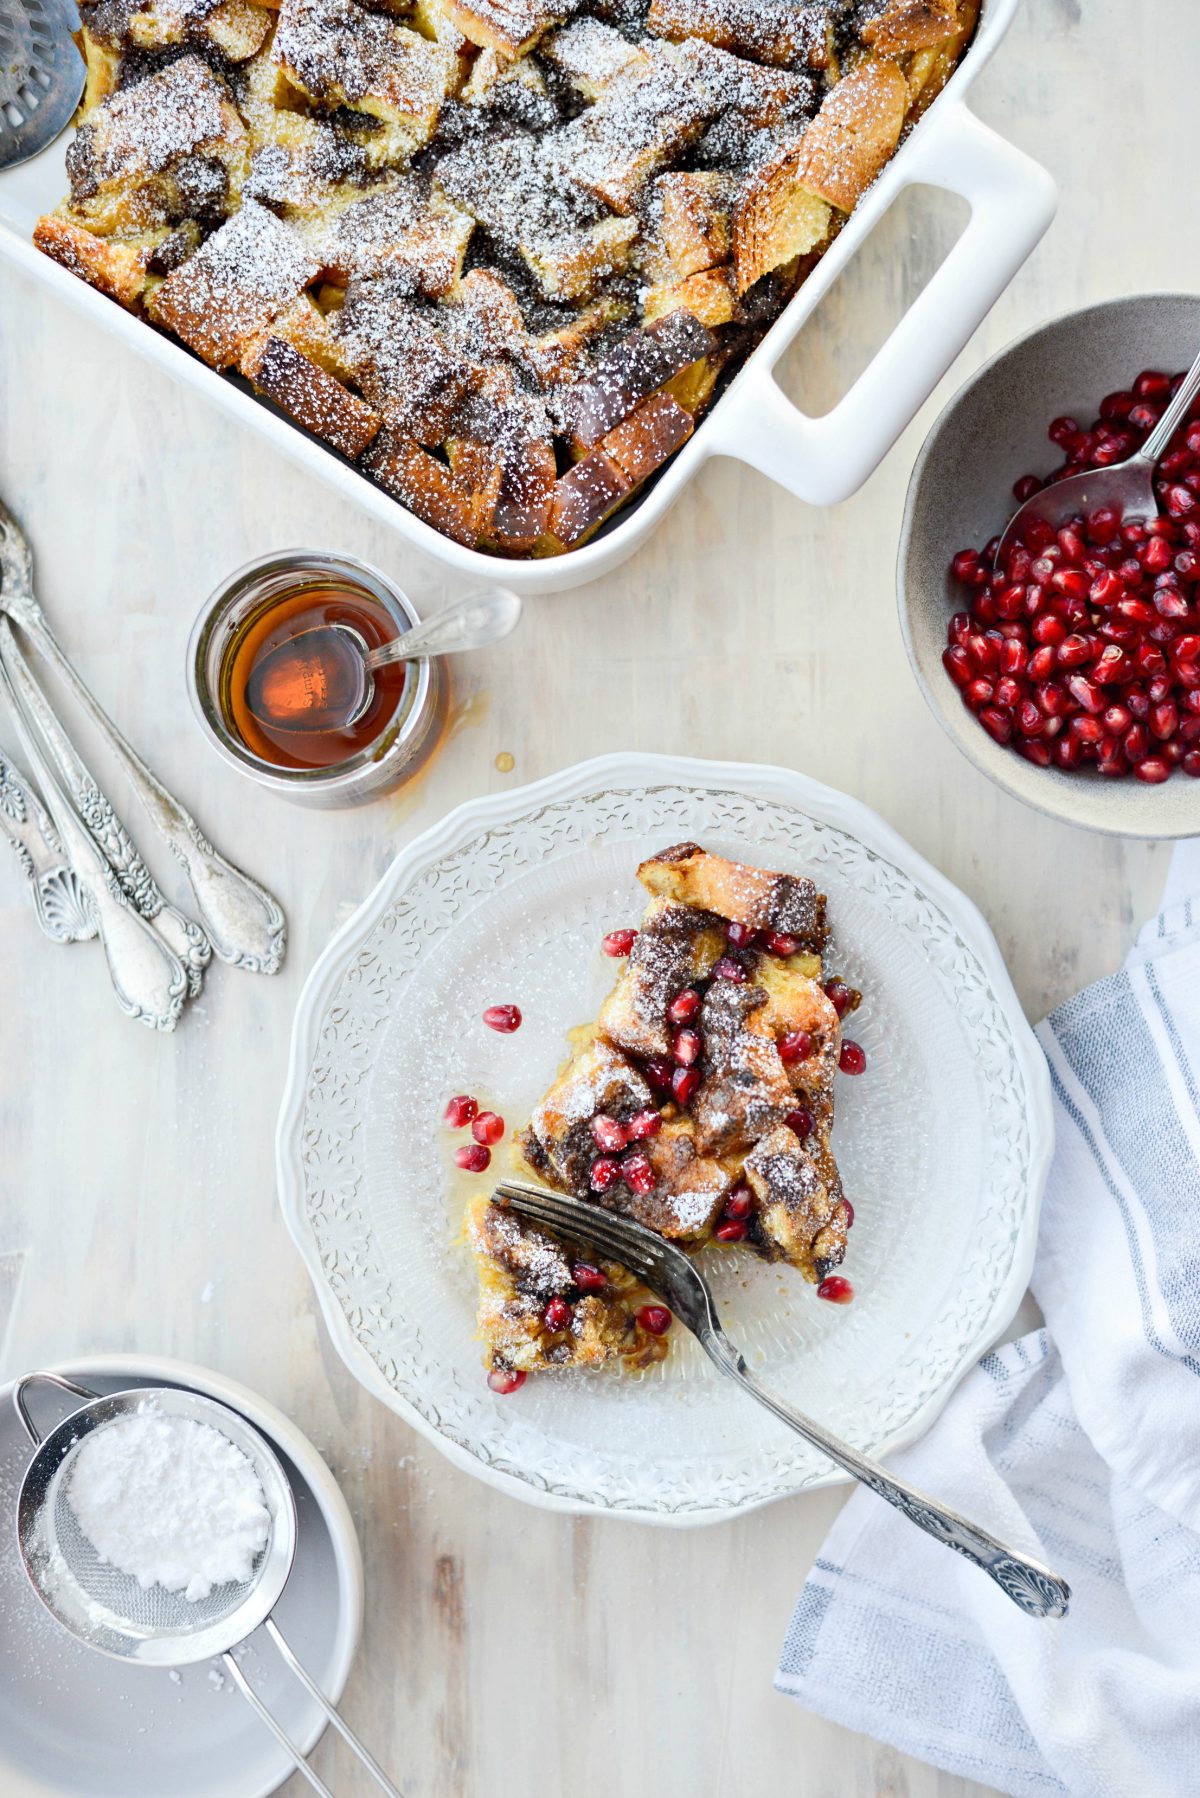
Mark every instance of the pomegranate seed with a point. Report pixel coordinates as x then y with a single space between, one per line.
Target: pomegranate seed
505 1018
609 1134
801 1121
728 969
1089 730
1067 752
660 1074
1156 556
1113 767
643 1124
1030 721
1107 589
504 1380
1136 743
638 1174
958 665
618 942
740 936
1034 751
1013 658
460 1111
984 653
1164 720
838 994
997 724
978 693
1085 693
1041 663
779 943
848 1212
739 1204
1074 651
853 1058
587 1277
733 1231
965 565
656 1320
684 1082
603 1173
487 1128
1063 431
473 1157
1191 763
1153 770
686 1047
797 1045
1026 487
557 1314
1152 384
837 1290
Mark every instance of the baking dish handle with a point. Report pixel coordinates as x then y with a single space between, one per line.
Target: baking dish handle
824 460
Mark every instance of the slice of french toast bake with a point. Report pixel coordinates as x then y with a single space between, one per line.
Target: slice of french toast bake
498 253
700 1103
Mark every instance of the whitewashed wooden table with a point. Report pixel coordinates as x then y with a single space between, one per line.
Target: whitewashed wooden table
508 1651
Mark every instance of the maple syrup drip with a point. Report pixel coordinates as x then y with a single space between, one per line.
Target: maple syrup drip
273 625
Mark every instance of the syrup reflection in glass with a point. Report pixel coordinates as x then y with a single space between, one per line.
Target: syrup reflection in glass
254 695
291 710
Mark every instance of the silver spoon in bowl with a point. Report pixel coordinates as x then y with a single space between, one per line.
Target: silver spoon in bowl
323 678
1127 487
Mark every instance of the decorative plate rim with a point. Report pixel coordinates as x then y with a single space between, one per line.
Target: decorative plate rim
754 781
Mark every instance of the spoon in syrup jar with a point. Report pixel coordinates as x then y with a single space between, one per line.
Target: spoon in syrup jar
323 678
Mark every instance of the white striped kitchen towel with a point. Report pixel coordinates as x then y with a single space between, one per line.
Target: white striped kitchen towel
1080 1443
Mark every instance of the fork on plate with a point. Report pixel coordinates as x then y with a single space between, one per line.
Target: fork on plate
675 1278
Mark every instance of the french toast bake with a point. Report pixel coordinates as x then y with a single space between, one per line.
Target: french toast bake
699 1103
500 254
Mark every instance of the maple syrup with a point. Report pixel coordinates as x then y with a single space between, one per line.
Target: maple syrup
277 621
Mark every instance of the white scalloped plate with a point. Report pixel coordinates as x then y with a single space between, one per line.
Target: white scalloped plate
944 1142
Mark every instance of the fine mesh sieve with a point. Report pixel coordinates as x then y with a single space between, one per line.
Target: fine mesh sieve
109 1610
41 75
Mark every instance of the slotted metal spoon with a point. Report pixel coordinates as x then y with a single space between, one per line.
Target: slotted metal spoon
109 1611
41 76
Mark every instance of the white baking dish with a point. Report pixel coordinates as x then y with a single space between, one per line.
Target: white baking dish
821 460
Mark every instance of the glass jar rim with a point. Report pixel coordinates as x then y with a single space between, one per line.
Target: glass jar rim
215 612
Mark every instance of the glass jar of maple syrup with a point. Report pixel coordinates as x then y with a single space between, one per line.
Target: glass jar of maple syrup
267 605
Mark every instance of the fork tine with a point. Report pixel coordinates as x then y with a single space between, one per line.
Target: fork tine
587 1222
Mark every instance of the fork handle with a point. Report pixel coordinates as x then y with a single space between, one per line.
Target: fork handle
1034 1588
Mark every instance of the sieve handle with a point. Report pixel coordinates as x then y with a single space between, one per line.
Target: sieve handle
281 1736
339 1723
51 1379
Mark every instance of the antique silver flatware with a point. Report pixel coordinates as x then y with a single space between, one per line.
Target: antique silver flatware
41 76
671 1274
148 978
110 1611
180 933
62 908
1127 487
243 922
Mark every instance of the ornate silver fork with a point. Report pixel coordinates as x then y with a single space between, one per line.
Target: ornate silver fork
671 1274
242 920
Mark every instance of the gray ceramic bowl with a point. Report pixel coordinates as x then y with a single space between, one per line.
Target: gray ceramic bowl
960 494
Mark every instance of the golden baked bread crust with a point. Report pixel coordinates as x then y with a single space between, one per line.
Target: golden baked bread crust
541 232
740 1152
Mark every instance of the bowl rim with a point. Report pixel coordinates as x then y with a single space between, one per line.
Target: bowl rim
136 1368
962 740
